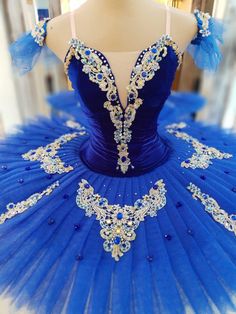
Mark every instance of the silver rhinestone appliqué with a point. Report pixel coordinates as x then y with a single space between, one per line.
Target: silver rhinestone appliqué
203 156
20 207
213 208
119 223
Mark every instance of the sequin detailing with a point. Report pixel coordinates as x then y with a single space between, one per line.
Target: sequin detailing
202 158
39 32
203 22
99 71
47 155
119 222
18 208
213 208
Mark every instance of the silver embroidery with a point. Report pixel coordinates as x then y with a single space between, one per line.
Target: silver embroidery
20 207
39 32
213 208
98 69
203 155
47 155
118 223
205 19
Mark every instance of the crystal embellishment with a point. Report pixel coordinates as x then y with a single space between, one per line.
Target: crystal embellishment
99 72
39 32
20 207
203 156
47 155
213 208
203 22
119 223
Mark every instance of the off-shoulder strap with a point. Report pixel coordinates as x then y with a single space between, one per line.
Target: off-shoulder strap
73 24
168 20
205 47
26 50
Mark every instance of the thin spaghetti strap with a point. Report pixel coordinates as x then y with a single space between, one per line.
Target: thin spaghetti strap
168 17
72 24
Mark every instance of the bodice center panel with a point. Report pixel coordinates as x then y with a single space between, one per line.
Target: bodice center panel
122 64
124 140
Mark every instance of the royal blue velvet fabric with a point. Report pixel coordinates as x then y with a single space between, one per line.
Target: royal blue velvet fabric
146 149
52 258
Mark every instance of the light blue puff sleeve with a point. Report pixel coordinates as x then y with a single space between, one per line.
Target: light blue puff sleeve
26 50
205 47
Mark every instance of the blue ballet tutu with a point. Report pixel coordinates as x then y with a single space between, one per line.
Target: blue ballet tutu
52 257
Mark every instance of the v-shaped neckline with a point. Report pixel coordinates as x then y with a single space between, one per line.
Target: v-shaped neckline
140 54
98 68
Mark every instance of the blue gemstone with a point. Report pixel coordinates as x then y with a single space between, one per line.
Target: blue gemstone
99 76
187 161
139 204
123 159
119 216
155 186
131 96
144 74
87 186
48 150
77 227
51 221
117 240
87 52
178 204
233 217
79 257
168 237
113 97
150 258
190 232
154 50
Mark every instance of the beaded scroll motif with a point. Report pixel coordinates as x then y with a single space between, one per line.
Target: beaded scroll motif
39 32
203 22
203 153
20 207
119 223
47 155
99 71
213 208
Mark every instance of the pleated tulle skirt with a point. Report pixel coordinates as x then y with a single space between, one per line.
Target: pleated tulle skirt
52 256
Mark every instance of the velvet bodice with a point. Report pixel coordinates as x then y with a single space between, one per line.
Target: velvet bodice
146 149
124 142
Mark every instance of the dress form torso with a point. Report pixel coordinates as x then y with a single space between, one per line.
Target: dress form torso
121 28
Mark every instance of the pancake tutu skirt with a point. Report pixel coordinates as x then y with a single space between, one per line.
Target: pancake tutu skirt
122 216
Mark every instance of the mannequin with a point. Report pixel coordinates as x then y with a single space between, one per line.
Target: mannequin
120 25
121 30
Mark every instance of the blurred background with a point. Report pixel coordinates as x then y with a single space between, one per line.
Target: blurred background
24 97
